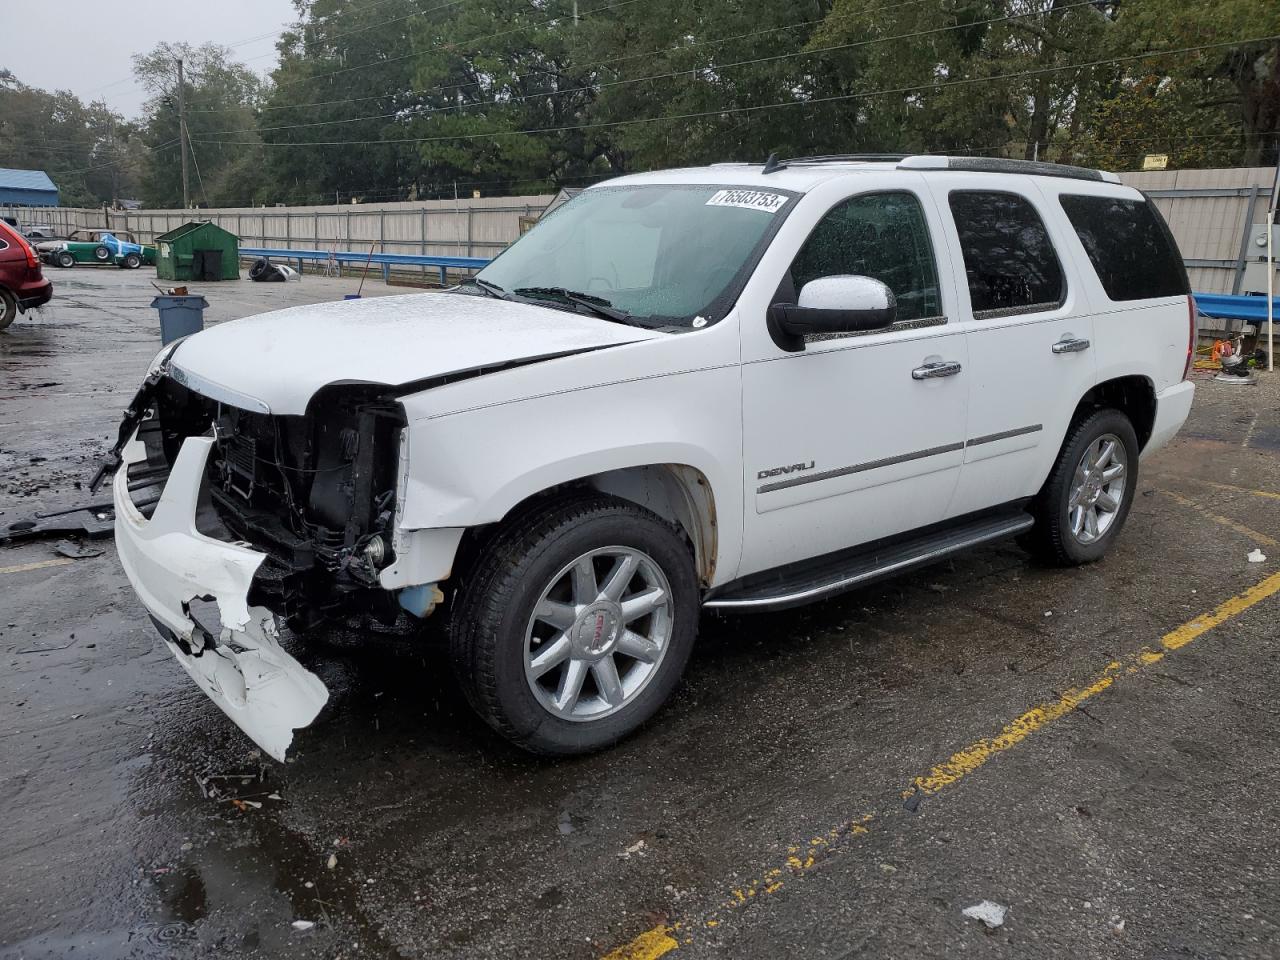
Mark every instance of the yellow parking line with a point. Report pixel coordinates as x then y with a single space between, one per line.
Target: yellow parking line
648 946
38 565
664 938
1218 485
1235 525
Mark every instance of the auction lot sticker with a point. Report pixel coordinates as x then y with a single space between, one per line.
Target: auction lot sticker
750 199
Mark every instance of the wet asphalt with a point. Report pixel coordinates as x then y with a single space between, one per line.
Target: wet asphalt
772 809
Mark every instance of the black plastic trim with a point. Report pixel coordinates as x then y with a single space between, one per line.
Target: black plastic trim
1004 435
861 467
899 458
817 578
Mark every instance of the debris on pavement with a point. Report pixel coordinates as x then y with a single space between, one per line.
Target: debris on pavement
76 551
66 646
89 522
303 924
989 912
332 861
1256 556
636 848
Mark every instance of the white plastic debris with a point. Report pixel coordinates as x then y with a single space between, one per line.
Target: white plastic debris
1256 556
990 913
636 849
303 924
333 861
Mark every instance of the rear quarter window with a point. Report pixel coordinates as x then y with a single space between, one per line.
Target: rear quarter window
1129 246
1009 258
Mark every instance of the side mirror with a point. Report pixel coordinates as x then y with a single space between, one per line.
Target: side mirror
840 304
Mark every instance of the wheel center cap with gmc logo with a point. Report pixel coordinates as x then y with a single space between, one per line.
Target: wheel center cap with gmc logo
597 629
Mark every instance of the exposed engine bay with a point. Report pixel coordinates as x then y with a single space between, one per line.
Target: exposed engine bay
315 493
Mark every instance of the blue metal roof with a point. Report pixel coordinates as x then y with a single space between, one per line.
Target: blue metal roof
28 187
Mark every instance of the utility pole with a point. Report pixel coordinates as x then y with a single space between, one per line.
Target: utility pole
182 135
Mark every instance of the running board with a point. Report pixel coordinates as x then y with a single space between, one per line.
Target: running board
838 572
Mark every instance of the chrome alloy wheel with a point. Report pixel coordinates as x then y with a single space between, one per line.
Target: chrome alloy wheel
1097 490
598 633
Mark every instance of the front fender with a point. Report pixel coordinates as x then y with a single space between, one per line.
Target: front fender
471 468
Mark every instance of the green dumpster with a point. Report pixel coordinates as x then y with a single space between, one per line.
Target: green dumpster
199 250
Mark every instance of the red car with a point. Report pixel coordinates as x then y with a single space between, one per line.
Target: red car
22 284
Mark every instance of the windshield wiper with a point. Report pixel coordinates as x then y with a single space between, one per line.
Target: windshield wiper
489 287
597 305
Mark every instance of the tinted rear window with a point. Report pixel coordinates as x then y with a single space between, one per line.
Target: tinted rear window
1128 245
1008 257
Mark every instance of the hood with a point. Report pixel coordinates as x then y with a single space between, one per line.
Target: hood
275 362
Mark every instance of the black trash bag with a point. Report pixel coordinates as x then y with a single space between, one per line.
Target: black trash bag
264 271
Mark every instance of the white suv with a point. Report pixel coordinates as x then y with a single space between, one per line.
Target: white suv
733 387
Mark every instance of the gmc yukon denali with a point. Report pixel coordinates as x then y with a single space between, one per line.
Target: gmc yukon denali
731 388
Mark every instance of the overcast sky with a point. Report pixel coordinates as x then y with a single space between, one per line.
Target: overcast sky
85 45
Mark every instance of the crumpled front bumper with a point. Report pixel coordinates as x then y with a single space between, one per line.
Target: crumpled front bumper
245 671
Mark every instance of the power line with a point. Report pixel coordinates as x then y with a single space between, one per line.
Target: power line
451 47
726 111
369 195
664 76
441 89
112 163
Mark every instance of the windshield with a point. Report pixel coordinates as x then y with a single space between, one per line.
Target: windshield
666 252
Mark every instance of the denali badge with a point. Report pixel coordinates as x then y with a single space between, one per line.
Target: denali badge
778 471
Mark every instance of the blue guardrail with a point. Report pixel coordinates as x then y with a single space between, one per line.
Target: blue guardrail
384 260
1233 307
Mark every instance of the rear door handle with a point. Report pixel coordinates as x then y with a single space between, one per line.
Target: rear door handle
1070 345
939 368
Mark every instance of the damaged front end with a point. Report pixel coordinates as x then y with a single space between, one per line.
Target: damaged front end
260 518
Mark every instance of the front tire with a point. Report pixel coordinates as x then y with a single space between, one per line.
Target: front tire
101 254
66 259
575 623
1085 502
132 261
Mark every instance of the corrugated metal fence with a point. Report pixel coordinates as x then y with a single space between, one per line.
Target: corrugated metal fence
480 227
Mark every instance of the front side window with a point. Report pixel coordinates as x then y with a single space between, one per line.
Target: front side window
1129 247
663 253
878 235
1009 259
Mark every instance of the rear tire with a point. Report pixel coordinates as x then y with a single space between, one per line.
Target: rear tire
101 254
132 261
555 671
8 308
1083 505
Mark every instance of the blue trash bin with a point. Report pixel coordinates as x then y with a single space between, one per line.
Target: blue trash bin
179 316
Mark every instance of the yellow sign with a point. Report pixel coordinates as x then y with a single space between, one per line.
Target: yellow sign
1155 161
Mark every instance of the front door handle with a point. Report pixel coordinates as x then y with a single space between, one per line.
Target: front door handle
1070 345
939 368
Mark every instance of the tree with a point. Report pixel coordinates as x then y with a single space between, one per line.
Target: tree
221 98
1228 80
90 153
345 74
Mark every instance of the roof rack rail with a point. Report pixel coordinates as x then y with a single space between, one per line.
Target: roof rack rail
1035 168
838 157
773 164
